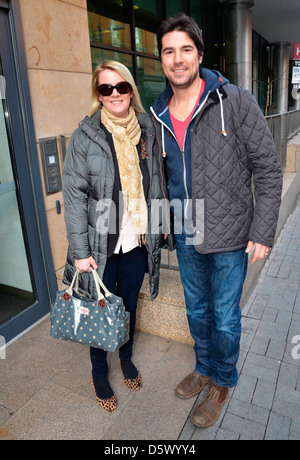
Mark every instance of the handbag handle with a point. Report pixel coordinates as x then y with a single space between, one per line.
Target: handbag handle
74 281
98 282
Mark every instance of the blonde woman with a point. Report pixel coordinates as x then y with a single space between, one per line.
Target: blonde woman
109 178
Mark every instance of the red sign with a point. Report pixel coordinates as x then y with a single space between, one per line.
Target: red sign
296 51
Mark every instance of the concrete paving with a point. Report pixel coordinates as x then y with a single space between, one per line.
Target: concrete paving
45 391
265 405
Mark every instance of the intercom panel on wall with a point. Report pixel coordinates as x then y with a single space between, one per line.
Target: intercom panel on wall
50 160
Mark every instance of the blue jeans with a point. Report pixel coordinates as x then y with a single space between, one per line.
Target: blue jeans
123 276
213 285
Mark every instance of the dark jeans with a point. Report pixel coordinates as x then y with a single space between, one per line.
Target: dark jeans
123 276
213 286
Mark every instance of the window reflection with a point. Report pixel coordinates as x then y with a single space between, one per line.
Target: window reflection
109 24
99 55
112 33
151 80
147 18
16 290
146 42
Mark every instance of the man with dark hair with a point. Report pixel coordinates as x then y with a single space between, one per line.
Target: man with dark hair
182 23
214 140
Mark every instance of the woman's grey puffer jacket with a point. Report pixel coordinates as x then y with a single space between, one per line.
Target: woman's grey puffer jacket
88 182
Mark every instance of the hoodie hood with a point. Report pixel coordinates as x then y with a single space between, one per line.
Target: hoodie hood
213 79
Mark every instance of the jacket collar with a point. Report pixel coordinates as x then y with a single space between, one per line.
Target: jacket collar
92 127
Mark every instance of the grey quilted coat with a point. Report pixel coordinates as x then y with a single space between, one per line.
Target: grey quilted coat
222 167
88 183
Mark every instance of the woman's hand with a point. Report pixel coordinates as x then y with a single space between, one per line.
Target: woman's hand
84 265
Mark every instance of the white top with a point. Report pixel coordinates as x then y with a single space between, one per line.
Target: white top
128 239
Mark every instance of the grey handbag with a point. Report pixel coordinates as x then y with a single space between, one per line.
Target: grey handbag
101 323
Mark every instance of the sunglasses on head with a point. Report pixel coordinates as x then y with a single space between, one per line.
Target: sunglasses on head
123 88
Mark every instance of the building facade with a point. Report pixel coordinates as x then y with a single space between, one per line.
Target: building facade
48 50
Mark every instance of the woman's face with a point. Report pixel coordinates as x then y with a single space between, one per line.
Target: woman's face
117 104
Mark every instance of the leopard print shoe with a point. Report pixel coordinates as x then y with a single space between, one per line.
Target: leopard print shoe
134 384
109 404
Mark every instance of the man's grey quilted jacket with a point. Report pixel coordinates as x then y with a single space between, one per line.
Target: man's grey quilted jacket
88 182
226 212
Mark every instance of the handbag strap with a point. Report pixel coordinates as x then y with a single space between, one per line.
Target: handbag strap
98 283
74 281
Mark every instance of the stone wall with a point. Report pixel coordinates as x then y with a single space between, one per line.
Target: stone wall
57 46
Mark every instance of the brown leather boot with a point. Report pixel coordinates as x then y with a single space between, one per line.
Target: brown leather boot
208 412
191 385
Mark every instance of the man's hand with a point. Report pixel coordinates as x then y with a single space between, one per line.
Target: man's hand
84 265
260 251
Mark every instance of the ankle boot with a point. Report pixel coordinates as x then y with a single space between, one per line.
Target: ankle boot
191 385
208 412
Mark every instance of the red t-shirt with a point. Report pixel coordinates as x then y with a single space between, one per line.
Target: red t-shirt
181 126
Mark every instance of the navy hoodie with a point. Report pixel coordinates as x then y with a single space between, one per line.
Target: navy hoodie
178 162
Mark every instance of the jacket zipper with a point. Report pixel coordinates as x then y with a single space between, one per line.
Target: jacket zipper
161 173
182 150
182 154
195 114
160 166
184 178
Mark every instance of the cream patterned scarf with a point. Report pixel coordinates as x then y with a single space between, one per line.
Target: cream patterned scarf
126 134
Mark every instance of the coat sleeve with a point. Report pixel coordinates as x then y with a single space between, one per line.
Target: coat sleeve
75 193
267 173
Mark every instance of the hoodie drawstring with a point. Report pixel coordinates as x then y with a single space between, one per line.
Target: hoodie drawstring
163 141
222 114
223 132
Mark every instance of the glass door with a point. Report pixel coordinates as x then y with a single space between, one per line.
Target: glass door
16 291
27 278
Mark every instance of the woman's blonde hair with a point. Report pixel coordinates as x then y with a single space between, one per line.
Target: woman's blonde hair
125 73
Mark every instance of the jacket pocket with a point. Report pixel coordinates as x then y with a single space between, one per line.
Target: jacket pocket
239 200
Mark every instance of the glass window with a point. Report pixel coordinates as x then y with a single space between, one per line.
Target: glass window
214 37
109 23
174 7
151 80
260 59
208 16
147 18
146 42
16 292
125 30
99 55
197 11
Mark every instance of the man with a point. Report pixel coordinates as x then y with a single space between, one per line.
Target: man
214 139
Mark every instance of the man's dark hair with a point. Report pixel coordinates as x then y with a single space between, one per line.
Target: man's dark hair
182 23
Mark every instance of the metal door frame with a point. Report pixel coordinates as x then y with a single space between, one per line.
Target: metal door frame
28 172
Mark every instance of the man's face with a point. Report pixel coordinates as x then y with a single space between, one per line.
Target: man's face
180 59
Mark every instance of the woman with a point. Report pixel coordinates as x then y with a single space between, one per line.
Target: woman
109 178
